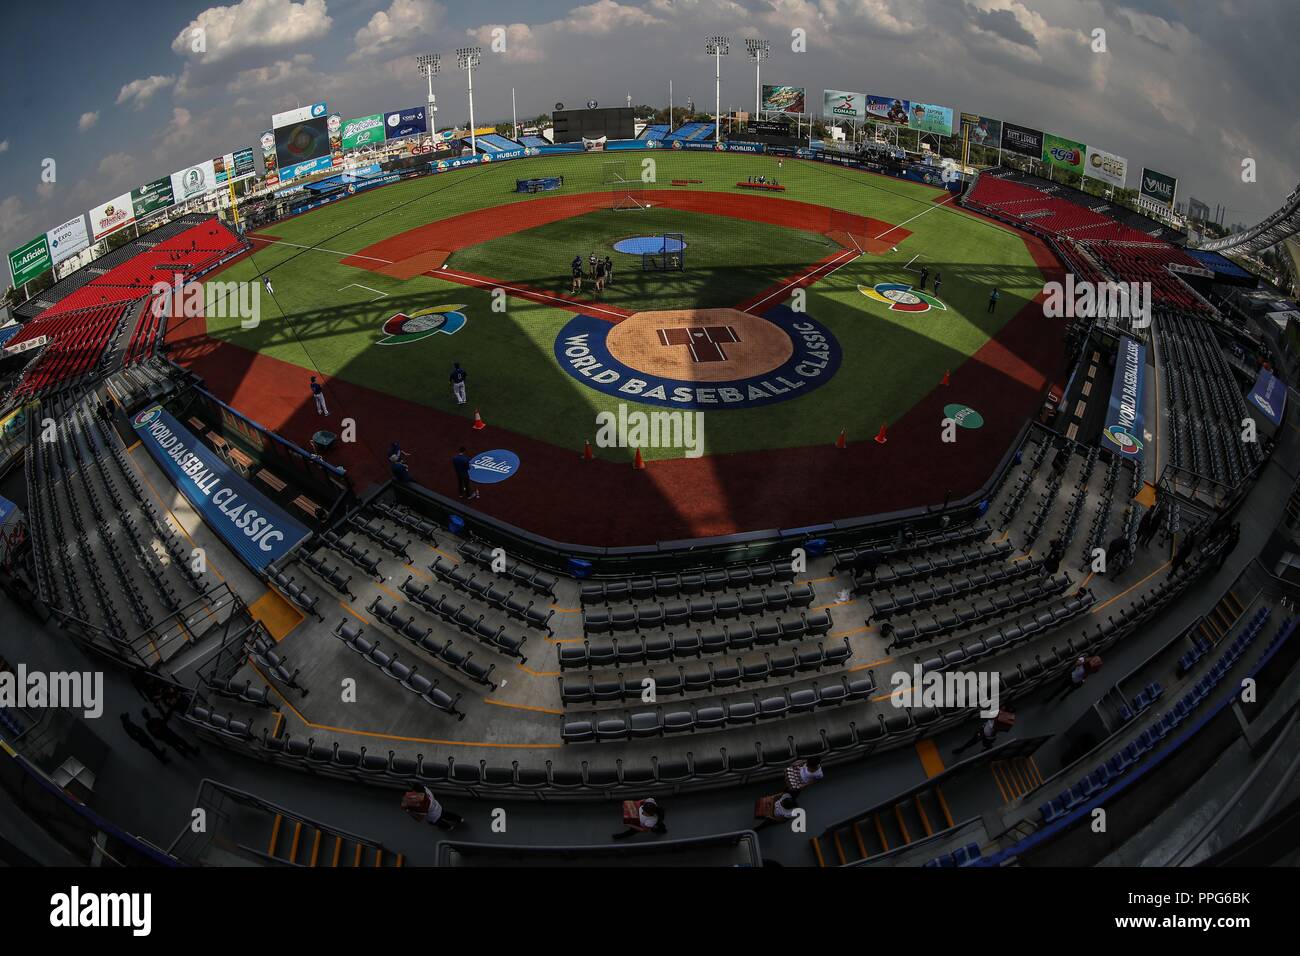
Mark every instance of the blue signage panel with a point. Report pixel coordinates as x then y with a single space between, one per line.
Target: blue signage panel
489 467
1123 431
1269 395
257 529
405 123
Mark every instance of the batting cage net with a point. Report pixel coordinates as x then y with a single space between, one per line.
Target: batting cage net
612 173
630 200
669 257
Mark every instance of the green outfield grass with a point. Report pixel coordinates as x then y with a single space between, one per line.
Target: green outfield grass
327 316
727 260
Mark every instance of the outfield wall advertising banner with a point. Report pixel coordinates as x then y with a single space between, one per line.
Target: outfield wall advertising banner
842 105
111 216
151 197
68 239
1024 140
256 528
29 260
194 181
1105 166
405 123
983 130
929 118
269 161
234 166
887 109
1123 430
1064 153
334 129
1160 187
363 131
784 99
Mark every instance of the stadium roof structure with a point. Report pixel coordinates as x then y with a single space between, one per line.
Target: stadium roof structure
1276 228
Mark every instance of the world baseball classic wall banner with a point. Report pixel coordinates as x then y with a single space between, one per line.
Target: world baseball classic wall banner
700 358
1123 431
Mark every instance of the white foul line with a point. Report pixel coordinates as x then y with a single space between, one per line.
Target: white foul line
528 293
932 208
333 252
793 282
358 285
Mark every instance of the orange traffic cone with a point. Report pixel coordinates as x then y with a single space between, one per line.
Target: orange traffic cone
842 441
586 451
638 461
880 435
479 424
945 377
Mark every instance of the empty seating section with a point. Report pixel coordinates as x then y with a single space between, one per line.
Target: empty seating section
77 343
495 143
654 131
690 133
1153 736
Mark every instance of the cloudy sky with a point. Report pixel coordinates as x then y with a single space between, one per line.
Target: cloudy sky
115 94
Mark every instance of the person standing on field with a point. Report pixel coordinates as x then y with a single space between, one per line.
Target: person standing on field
458 377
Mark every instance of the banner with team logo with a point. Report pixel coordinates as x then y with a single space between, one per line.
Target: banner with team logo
194 181
887 109
841 105
1024 140
1105 166
363 131
1123 432
111 216
406 123
1159 187
29 260
1064 153
68 239
982 130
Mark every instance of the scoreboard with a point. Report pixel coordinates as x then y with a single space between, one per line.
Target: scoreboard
571 126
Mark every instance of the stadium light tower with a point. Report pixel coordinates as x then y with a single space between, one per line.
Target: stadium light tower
429 64
718 47
758 50
467 58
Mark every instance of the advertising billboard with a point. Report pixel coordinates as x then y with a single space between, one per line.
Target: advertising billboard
783 99
300 115
1105 166
887 109
1024 140
302 141
363 131
1064 153
1160 187
841 105
194 181
232 167
151 197
405 123
929 118
68 239
982 130
111 216
29 260
267 141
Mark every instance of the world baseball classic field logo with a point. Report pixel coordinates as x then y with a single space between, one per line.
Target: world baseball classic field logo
700 358
403 329
901 297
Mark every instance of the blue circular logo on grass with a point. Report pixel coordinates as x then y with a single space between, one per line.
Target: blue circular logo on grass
489 467
640 245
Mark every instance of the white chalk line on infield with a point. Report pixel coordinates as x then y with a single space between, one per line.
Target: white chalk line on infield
794 282
332 252
529 293
358 285
932 208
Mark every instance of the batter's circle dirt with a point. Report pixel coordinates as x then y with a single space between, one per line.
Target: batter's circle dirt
637 342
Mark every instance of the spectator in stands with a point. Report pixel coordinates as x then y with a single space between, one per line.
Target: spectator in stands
1230 540
993 300
1052 563
1117 555
460 462
774 808
802 774
397 462
1061 461
425 808
105 412
159 730
458 377
1149 525
988 730
1185 549
925 275
1073 680
318 393
642 816
938 278
138 734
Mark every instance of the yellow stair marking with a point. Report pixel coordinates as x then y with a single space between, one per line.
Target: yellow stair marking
315 848
857 835
275 835
817 852
338 851
902 826
943 805
925 820
880 832
839 850
356 860
297 835
931 761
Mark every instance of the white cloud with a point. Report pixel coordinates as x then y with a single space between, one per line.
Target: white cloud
606 16
88 120
397 27
180 132
142 90
279 73
523 44
4 145
252 24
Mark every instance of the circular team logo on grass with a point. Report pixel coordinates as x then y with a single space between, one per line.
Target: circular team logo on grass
147 416
964 416
489 467
1127 443
700 358
403 329
901 297
639 245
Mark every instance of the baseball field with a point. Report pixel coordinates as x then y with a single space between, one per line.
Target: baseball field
796 316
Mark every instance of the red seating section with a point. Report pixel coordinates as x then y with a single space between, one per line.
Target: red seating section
77 340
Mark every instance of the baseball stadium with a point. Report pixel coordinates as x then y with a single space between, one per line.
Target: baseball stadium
847 485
